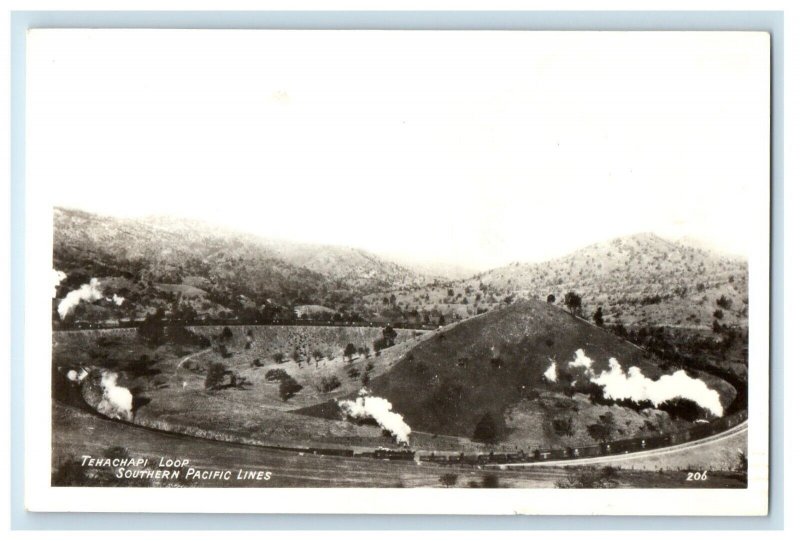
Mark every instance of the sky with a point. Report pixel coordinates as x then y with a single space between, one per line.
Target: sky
466 149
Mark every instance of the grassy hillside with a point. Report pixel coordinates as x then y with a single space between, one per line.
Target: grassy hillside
182 265
495 363
641 280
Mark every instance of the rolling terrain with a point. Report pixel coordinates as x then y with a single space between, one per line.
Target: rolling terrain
639 280
192 270
494 365
444 385
504 364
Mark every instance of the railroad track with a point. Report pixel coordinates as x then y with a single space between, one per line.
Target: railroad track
661 451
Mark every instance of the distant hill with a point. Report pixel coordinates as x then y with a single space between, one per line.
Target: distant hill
164 262
637 280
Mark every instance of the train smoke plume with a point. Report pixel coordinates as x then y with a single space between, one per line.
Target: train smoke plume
117 299
581 361
620 385
57 277
551 374
379 409
87 292
117 402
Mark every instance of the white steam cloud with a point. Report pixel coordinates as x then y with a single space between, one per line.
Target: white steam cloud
551 374
117 299
379 409
633 385
117 402
581 361
87 292
57 277
618 385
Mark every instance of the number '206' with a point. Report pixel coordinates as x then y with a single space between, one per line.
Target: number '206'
697 476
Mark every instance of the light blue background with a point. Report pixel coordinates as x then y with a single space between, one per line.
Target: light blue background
550 20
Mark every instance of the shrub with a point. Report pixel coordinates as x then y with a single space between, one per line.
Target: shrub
288 388
563 427
448 479
588 479
177 334
276 374
389 335
329 383
215 376
486 430
378 345
573 301
598 316
490 480
151 330
600 431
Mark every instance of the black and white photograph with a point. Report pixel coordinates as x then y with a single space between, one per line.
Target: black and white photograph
400 260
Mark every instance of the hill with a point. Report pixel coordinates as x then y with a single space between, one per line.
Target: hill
494 366
186 265
640 280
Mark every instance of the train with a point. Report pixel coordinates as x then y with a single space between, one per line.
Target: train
616 447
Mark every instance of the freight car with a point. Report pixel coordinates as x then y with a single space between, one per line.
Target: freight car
331 452
393 454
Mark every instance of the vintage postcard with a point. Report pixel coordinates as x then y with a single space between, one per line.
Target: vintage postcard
397 272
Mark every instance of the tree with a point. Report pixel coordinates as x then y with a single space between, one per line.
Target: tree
276 374
598 316
152 328
486 430
349 351
297 356
278 357
329 383
227 334
288 388
551 298
389 336
573 302
448 479
215 376
378 345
